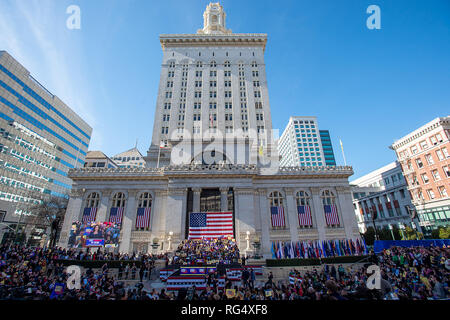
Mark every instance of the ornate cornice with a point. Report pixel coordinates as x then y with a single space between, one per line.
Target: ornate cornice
208 171
203 40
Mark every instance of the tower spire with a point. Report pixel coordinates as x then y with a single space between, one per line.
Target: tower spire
214 20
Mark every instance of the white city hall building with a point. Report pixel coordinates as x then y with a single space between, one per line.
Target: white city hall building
213 150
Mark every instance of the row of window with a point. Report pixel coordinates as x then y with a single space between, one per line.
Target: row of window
422 145
212 64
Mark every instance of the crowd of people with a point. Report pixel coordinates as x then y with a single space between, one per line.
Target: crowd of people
206 251
37 274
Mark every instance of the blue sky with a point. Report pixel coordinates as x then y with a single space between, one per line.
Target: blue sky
368 87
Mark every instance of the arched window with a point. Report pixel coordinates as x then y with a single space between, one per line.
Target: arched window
302 198
277 210
199 64
92 200
276 199
330 209
172 64
118 200
143 212
213 64
254 64
328 197
227 64
145 200
303 209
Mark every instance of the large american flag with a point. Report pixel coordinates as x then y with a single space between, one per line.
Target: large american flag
116 215
210 225
89 215
277 216
143 218
304 215
331 214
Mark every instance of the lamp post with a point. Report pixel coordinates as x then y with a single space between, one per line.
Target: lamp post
402 228
392 232
373 215
170 240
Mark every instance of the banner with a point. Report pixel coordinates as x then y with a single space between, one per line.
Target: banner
94 234
380 245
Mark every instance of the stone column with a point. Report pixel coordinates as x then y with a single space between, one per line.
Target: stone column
223 199
346 212
127 222
265 224
291 214
158 213
196 199
317 209
102 210
176 203
244 215
72 214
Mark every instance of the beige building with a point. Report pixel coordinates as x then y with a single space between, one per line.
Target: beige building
212 150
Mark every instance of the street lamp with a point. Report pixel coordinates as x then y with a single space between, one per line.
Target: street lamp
392 233
170 239
248 240
373 215
402 228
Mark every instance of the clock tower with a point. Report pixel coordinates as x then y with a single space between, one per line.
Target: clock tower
214 20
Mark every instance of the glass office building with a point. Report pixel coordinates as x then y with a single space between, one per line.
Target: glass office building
41 138
327 148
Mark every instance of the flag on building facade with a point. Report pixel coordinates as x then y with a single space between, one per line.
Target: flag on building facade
143 218
210 225
277 216
116 215
331 214
304 215
89 215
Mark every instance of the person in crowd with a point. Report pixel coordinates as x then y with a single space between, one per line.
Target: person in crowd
415 273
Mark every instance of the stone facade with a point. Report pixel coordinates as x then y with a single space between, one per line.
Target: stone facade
213 95
169 187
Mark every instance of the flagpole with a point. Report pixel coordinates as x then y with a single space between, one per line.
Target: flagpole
343 154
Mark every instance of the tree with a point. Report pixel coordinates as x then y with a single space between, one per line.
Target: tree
47 214
444 232
369 236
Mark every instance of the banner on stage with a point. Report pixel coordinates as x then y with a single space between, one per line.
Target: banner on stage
94 234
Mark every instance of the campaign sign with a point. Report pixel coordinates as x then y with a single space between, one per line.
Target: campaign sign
95 242
94 234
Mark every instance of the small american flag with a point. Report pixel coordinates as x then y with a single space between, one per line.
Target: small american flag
331 215
89 215
143 218
210 225
277 216
116 215
304 215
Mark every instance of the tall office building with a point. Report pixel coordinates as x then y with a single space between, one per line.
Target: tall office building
327 147
41 138
303 144
213 88
212 83
424 155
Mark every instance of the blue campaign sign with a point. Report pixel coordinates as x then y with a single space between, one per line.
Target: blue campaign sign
95 242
